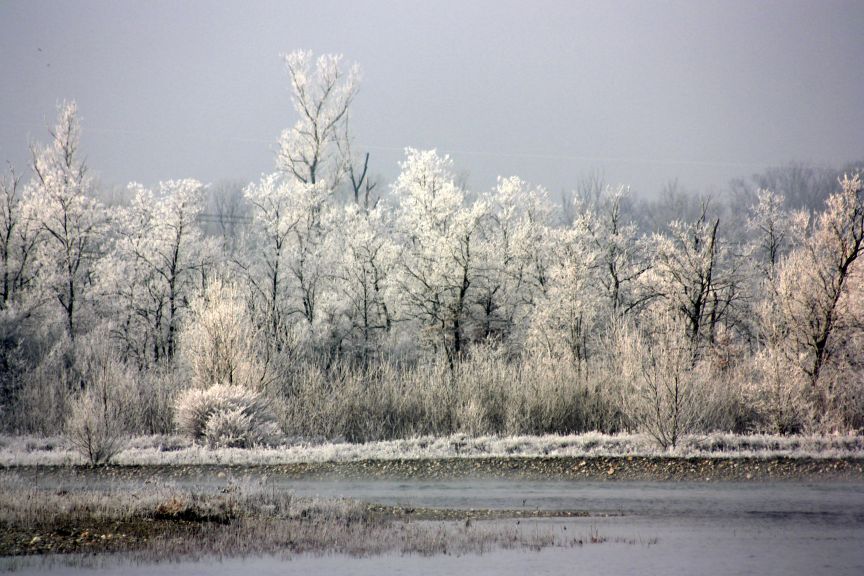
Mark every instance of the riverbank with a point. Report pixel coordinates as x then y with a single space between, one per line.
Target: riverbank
589 468
170 450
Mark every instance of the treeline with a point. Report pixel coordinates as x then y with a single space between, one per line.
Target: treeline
319 302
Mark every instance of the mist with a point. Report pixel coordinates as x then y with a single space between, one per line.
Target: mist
638 92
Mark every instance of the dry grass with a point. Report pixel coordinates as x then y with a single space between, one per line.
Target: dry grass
175 450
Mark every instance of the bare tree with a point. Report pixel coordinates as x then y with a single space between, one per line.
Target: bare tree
362 185
801 185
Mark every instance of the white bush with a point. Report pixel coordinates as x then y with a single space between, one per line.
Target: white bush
225 416
235 428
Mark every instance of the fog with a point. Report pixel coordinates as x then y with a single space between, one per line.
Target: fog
639 92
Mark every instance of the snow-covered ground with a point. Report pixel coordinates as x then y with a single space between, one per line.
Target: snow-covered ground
171 450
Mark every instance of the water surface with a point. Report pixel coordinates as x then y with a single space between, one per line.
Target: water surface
651 528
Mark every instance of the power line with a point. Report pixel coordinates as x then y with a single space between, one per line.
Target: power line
223 219
465 152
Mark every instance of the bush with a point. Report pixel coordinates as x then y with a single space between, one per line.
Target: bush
225 416
234 428
103 399
154 398
220 341
668 394
43 397
95 426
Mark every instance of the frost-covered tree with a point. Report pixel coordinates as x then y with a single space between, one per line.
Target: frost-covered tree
275 217
814 288
292 211
775 231
310 251
221 342
290 259
155 266
19 237
695 276
73 222
364 275
622 257
565 317
777 394
440 236
513 258
312 150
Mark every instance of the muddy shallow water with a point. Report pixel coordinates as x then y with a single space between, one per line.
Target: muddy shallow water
682 546
648 527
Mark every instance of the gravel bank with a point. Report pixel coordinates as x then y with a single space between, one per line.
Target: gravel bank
611 468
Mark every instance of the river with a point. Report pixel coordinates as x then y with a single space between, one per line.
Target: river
669 528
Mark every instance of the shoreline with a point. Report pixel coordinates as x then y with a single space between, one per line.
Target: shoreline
588 468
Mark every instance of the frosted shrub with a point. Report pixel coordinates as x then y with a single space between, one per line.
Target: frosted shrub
103 403
220 341
778 394
233 428
95 426
668 393
99 414
225 416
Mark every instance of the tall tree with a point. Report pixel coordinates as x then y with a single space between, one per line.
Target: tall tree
814 285
274 200
313 150
364 275
621 255
72 220
775 231
159 248
440 235
19 237
513 259
564 318
695 276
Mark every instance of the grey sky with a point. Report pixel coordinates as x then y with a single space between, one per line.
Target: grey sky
642 91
